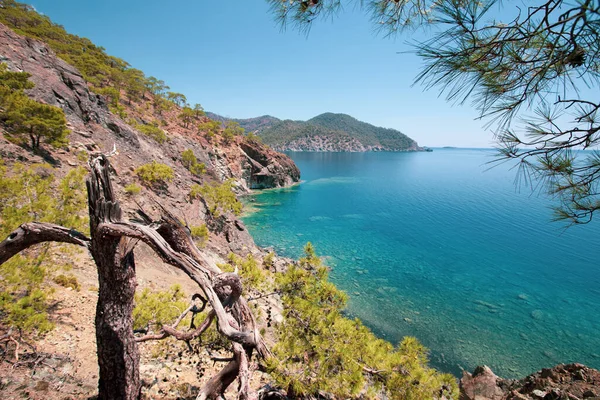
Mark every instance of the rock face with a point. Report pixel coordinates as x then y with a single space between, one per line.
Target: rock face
94 127
267 168
563 382
60 84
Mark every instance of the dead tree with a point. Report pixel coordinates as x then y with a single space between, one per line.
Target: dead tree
111 246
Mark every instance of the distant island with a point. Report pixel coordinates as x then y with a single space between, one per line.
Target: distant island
325 132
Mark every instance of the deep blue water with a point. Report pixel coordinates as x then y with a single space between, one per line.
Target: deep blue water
437 246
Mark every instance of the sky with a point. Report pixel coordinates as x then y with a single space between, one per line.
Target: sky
234 59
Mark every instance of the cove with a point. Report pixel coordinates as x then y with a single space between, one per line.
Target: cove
439 246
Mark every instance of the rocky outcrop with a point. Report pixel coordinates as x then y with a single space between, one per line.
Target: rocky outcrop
268 168
60 84
563 382
327 143
95 128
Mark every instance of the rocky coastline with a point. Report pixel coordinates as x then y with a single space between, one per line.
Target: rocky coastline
69 367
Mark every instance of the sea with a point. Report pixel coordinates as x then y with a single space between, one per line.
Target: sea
445 247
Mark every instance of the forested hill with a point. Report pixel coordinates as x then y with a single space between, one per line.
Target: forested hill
256 124
325 132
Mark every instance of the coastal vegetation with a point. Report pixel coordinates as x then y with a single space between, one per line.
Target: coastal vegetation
339 131
318 349
219 197
189 160
154 174
27 119
31 193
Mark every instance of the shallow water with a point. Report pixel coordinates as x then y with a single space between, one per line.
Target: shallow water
437 246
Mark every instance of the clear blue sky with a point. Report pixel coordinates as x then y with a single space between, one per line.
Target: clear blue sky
231 57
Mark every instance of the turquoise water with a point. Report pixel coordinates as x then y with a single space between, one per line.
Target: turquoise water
437 246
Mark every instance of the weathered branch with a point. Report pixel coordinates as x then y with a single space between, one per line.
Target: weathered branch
32 233
188 265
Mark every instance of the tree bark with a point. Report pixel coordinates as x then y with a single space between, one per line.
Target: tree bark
118 356
33 233
111 245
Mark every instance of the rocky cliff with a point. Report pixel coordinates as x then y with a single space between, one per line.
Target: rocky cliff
563 382
94 128
63 363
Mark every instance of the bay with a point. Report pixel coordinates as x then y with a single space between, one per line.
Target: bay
441 247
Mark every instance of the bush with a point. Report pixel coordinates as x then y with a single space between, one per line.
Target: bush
27 119
29 194
154 174
220 198
200 233
132 189
154 132
252 276
158 308
68 281
189 161
268 260
318 349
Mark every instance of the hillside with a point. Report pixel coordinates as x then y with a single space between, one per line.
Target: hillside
325 132
256 124
63 103
165 156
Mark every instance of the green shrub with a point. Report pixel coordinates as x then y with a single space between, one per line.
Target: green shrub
318 349
27 119
68 281
268 260
154 173
158 308
132 189
189 161
252 276
28 194
252 137
83 156
154 132
200 233
220 198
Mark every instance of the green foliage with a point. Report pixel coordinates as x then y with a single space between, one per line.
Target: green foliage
132 189
268 260
321 350
340 129
153 309
153 131
210 127
13 81
252 137
198 111
220 198
158 308
68 281
186 116
253 277
154 174
25 117
28 194
83 156
200 233
232 129
177 98
113 94
190 161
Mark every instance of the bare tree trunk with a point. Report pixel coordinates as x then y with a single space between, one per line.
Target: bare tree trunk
111 244
118 356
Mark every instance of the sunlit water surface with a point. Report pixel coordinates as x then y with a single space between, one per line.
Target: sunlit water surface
436 246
